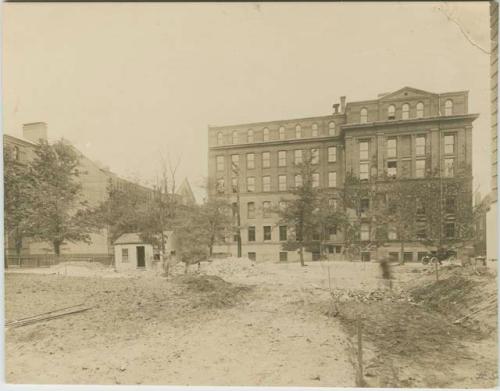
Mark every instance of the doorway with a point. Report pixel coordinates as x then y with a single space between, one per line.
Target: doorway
141 256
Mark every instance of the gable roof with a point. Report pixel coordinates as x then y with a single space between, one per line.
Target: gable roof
135 238
186 192
404 91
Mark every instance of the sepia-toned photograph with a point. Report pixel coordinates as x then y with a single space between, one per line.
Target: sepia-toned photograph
250 194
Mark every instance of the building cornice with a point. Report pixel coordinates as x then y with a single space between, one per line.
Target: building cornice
308 140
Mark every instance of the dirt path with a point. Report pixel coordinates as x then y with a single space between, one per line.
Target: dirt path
274 338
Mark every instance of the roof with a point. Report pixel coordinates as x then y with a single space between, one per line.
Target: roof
134 238
186 192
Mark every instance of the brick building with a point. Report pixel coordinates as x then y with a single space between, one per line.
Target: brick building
407 134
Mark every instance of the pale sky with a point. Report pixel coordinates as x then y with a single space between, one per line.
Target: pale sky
127 82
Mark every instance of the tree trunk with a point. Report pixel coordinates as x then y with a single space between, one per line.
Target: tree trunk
301 253
402 252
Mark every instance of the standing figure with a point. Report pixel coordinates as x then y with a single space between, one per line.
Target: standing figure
385 267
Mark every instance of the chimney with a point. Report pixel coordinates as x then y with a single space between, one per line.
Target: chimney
335 108
35 132
342 104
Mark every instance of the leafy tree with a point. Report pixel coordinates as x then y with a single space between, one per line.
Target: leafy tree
59 214
216 215
19 192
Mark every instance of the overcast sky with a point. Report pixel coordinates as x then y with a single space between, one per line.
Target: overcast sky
126 82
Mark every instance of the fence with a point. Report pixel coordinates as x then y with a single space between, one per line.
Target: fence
47 260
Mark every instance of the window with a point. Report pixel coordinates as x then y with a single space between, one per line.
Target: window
449 230
391 148
283 233
450 205
420 208
420 168
251 210
266 183
391 112
220 163
283 256
250 137
449 144
282 182
363 115
363 171
220 185
251 237
332 203
392 234
250 184
252 256
266 159
420 145
314 156
364 205
332 232
298 156
298 132
282 132
420 110
234 184
314 130
298 180
265 133
448 107
267 232
124 254
365 232
449 167
332 179
235 161
219 138
281 158
331 129
250 161
405 111
266 208
16 153
363 150
392 169
235 137
315 236
332 154
282 205
315 180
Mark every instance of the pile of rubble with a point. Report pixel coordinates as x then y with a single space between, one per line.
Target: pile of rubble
229 266
392 295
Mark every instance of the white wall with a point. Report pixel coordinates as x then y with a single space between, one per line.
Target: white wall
131 264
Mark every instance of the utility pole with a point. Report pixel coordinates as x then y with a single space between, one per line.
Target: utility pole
236 171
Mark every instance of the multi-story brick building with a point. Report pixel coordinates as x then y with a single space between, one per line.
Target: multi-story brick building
407 134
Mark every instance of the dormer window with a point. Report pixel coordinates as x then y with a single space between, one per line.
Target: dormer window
391 112
420 110
250 136
363 115
331 129
314 130
235 137
298 132
219 138
266 134
405 111
448 107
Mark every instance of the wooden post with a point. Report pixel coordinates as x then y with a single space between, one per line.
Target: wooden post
360 352
437 269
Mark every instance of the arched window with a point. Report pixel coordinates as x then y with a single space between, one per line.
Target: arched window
364 115
331 129
282 132
266 134
16 153
298 131
219 138
420 110
315 130
405 113
391 112
448 107
250 136
235 137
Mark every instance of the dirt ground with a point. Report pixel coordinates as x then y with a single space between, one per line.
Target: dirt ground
258 324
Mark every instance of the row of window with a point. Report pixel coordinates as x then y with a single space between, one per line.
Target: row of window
283 234
266 134
421 232
405 111
282 159
267 208
282 182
